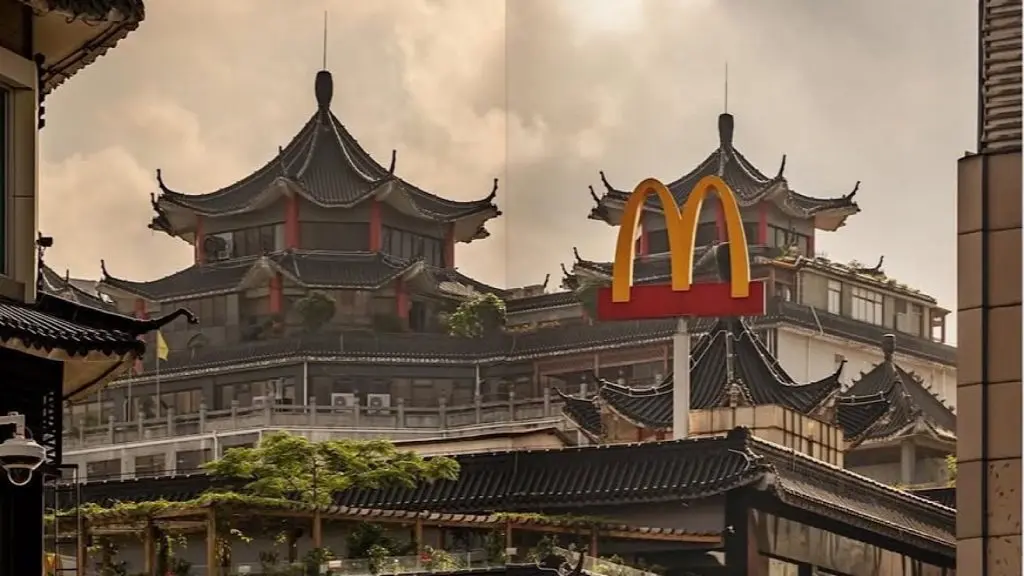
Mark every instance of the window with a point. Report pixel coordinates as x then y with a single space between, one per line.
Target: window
103 469
783 238
867 305
411 245
257 240
337 236
908 317
183 402
150 465
190 460
835 297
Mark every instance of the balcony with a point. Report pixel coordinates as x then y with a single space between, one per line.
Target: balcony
397 422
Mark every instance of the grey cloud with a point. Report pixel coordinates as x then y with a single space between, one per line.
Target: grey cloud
472 89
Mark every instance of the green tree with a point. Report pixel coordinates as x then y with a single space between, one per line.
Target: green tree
477 316
951 468
293 467
315 309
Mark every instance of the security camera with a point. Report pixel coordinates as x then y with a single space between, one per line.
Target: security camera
19 456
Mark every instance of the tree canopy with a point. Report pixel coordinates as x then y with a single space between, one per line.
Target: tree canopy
477 316
287 466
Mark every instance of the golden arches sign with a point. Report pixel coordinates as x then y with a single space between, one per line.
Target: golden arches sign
681 226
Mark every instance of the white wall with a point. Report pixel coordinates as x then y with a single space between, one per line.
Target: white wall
808 356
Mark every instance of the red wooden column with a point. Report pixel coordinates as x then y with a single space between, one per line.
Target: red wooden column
291 222
720 222
449 247
200 236
401 301
375 226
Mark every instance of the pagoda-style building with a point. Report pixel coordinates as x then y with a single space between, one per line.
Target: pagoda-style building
323 215
888 425
322 283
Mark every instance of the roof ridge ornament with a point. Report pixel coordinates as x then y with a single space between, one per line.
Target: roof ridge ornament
726 127
782 168
853 192
494 191
323 89
394 158
888 347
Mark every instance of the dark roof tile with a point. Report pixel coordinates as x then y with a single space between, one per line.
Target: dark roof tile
750 185
760 379
330 167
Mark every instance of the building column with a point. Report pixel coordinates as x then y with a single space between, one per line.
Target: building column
908 462
401 301
989 363
200 237
449 247
644 242
375 226
762 225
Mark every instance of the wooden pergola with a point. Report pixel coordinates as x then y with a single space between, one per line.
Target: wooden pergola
210 513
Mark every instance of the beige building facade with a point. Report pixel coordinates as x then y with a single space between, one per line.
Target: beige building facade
989 317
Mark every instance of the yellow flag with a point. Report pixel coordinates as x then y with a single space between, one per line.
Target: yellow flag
161 346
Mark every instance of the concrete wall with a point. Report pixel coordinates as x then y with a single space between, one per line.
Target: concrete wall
808 356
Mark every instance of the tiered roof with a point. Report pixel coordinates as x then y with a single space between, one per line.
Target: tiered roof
889 402
750 185
311 269
659 472
324 164
730 366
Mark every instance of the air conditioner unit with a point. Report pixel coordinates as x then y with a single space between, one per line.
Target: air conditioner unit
343 400
378 403
261 401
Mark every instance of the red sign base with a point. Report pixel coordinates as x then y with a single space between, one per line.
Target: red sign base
661 301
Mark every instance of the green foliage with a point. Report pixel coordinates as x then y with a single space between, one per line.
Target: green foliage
951 468
568 520
285 466
368 539
586 293
315 309
477 316
494 546
439 560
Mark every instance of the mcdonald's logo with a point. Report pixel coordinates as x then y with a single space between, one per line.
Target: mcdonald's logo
737 297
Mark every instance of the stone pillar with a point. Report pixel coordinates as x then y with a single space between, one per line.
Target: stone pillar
989 364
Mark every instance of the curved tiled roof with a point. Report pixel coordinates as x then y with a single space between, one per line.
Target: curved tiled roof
888 401
329 168
572 479
750 185
729 358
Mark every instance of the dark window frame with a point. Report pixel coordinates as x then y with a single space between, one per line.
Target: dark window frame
412 245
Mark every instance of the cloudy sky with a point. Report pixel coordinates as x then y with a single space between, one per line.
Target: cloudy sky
540 93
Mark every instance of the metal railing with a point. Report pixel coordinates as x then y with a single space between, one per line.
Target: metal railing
396 420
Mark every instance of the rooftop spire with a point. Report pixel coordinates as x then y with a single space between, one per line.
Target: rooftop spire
726 108
324 67
725 121
323 87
